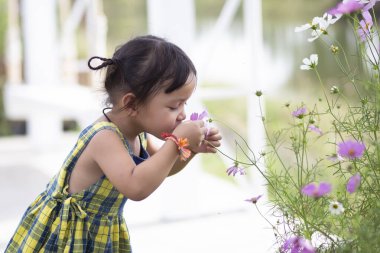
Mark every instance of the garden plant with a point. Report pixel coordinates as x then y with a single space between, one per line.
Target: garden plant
323 169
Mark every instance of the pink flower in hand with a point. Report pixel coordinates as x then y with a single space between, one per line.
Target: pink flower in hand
201 116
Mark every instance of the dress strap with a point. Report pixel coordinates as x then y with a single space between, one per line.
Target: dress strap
82 142
105 115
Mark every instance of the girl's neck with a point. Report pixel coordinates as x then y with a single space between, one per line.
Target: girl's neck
125 124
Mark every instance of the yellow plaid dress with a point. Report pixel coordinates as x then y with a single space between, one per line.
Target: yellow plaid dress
88 221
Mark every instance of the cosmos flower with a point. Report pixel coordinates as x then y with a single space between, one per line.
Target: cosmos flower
196 116
299 113
346 7
365 26
353 183
254 199
351 149
297 244
318 25
202 116
370 4
315 129
310 63
336 207
233 170
315 190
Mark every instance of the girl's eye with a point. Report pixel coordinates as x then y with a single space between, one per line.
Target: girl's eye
173 108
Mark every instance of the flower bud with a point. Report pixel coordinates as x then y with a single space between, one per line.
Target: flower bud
334 90
334 49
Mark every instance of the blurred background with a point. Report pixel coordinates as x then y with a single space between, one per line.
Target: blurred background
48 94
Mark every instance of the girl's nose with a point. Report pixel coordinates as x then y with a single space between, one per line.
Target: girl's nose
182 115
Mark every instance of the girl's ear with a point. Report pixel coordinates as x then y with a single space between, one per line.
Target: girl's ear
129 104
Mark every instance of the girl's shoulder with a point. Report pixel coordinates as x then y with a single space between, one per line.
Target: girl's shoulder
90 131
87 133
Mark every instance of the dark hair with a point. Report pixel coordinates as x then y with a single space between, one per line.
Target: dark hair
143 66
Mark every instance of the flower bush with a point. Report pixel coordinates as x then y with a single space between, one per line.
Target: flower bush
327 201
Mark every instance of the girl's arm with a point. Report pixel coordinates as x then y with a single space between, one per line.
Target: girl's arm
138 181
152 148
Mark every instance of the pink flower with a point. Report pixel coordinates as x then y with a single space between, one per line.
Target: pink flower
353 183
370 5
346 7
235 169
315 190
351 149
297 244
195 116
365 26
299 113
315 129
254 199
201 116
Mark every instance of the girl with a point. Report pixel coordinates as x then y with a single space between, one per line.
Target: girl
148 82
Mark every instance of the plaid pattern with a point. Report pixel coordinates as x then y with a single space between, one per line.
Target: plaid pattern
88 221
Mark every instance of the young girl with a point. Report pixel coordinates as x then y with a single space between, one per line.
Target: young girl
148 82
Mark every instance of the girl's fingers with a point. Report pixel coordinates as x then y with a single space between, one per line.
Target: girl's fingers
216 137
201 123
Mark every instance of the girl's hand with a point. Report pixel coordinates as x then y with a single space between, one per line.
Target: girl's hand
194 131
210 142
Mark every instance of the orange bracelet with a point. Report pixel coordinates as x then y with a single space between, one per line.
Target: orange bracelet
182 144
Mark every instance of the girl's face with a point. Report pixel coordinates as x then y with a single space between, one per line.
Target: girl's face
164 112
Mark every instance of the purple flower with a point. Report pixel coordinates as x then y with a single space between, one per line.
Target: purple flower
315 129
299 113
201 116
351 149
315 190
370 5
195 116
353 183
254 199
297 244
365 26
235 169
346 7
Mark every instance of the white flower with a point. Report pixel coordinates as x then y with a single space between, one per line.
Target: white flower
331 19
303 27
310 63
313 25
318 25
336 207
